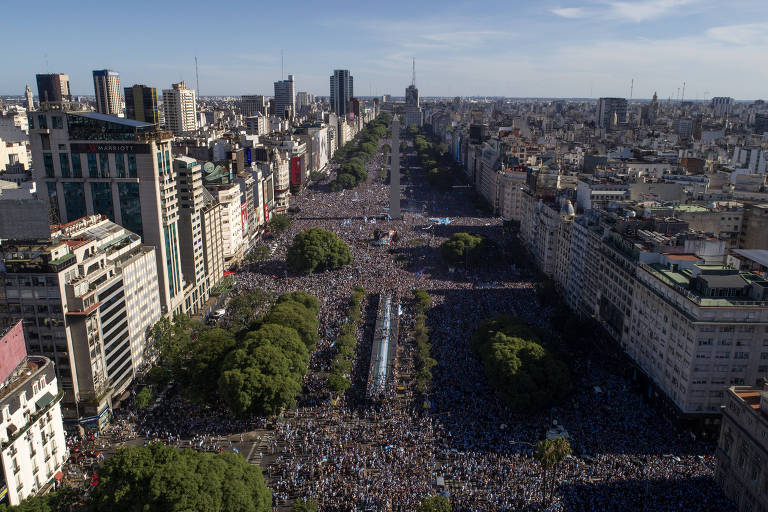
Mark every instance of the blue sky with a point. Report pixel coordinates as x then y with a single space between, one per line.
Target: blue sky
565 48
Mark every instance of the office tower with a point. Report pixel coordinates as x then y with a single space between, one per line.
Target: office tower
302 99
53 88
761 123
413 115
253 104
342 91
285 98
87 296
34 447
180 109
106 86
722 105
99 164
611 112
141 104
30 99
200 234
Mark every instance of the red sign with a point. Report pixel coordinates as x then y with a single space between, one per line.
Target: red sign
266 213
295 171
243 216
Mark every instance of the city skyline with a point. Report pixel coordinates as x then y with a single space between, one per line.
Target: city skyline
572 48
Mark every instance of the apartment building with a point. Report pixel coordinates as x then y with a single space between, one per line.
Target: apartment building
742 449
87 296
34 449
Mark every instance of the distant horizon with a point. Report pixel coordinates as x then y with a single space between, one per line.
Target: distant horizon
547 49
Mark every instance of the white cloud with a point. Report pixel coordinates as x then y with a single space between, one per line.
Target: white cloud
570 12
632 11
747 34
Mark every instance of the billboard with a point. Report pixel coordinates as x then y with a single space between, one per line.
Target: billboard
248 156
266 213
295 171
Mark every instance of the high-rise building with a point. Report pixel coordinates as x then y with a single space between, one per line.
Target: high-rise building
302 99
722 105
34 447
106 86
342 90
180 109
99 164
30 99
285 98
253 104
611 112
53 88
743 448
200 234
413 114
141 104
94 299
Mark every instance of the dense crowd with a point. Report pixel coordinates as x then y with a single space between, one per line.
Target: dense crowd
353 455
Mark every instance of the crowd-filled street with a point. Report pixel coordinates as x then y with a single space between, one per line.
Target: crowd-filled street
353 455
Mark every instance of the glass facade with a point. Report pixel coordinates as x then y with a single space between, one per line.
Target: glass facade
101 194
120 165
172 259
53 199
131 165
64 161
104 165
93 167
77 167
88 128
48 164
130 207
74 200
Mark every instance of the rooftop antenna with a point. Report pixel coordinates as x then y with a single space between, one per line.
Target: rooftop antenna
197 78
631 89
413 77
682 98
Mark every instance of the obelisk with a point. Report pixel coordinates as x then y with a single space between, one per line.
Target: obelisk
394 173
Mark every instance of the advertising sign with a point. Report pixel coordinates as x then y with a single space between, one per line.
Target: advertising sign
295 171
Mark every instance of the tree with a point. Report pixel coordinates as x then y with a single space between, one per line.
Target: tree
162 478
280 223
285 339
204 364
467 249
297 316
143 398
66 499
258 380
403 147
304 505
524 372
549 453
260 252
317 249
435 504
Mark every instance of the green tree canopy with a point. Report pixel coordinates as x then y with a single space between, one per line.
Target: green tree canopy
159 478
304 505
469 249
66 499
317 249
143 398
525 373
284 338
435 504
297 316
279 223
204 365
260 252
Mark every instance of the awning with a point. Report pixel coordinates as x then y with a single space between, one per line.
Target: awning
44 400
58 476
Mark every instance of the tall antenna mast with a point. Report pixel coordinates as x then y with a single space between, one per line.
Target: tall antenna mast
631 89
197 78
413 77
683 97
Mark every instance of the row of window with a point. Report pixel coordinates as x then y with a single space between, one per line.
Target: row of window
98 167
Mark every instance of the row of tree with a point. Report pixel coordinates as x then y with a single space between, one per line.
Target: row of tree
357 152
317 249
469 250
341 367
256 366
423 361
434 159
523 371
163 478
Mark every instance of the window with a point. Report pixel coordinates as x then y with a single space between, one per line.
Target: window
74 200
131 165
48 164
57 122
64 161
104 164
93 167
42 122
101 194
120 165
77 168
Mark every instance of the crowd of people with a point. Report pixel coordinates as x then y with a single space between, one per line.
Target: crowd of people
461 441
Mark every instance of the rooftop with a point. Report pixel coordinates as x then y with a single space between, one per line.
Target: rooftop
113 119
757 255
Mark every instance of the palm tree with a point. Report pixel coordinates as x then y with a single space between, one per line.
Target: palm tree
549 453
